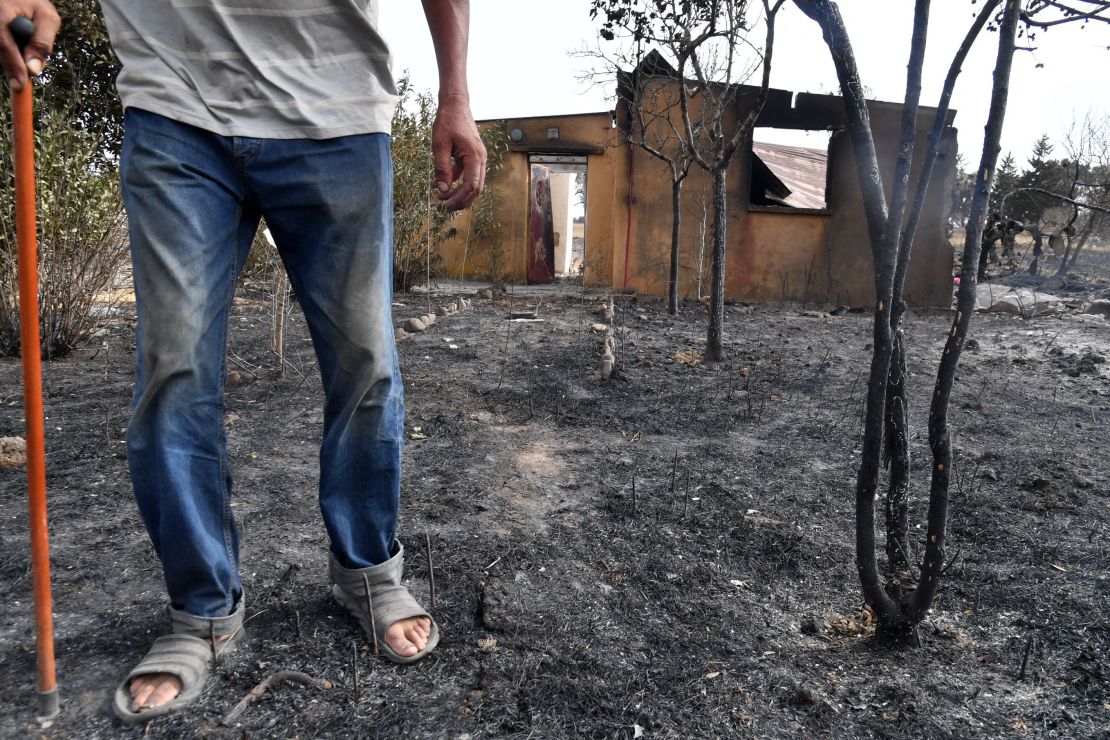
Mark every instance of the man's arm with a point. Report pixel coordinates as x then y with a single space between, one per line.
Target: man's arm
47 23
454 133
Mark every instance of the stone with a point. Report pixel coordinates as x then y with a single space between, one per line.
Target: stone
607 364
1017 301
810 625
429 319
236 379
806 696
13 452
600 327
486 293
1100 307
413 326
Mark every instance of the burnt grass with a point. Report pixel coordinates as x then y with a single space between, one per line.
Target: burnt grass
570 606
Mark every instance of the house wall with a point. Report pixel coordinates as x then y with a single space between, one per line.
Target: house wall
591 135
772 254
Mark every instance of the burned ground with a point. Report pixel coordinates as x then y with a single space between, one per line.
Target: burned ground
579 591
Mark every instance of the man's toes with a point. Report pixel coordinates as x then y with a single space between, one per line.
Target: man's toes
165 692
154 690
405 639
141 689
403 646
416 637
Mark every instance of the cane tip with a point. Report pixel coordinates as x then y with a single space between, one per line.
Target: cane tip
49 706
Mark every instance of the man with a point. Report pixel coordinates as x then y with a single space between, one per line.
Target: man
237 110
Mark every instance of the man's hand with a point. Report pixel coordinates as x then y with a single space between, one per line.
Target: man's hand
455 136
17 68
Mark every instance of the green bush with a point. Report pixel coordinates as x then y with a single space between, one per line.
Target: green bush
420 223
82 235
81 227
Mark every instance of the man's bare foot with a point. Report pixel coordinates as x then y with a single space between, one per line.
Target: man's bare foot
408 637
153 690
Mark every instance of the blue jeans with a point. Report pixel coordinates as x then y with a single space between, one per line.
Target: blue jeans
194 200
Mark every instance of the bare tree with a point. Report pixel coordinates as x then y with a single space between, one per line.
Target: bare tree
890 230
650 93
708 40
648 118
1067 207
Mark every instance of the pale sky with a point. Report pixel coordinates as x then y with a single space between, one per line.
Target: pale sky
521 63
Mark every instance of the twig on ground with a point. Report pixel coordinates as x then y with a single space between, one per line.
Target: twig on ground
354 670
1025 658
955 559
431 568
370 611
243 364
634 506
265 684
686 506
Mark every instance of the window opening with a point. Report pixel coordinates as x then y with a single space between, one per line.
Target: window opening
790 168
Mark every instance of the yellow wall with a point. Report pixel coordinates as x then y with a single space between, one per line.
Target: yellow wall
821 257
583 133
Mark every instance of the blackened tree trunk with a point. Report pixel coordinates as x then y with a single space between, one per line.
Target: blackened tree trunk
1072 252
714 346
711 146
897 457
897 620
827 15
939 439
897 411
676 232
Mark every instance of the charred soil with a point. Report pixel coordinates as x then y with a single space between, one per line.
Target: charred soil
669 550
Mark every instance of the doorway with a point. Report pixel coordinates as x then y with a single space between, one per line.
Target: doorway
556 217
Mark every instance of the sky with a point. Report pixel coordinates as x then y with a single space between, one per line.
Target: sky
522 63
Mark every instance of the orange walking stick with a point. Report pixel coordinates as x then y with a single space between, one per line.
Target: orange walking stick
27 240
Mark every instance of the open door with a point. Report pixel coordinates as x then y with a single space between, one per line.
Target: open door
541 228
556 216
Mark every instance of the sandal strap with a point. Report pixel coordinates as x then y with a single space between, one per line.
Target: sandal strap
391 605
391 601
206 628
183 656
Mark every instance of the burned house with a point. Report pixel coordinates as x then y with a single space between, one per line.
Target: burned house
574 196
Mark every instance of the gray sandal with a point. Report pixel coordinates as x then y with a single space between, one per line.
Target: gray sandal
388 600
188 653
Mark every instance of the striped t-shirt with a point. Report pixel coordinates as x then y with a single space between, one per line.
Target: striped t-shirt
282 69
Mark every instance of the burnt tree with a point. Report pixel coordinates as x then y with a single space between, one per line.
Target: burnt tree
647 117
706 40
890 229
650 93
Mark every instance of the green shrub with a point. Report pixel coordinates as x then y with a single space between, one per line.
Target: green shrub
81 227
82 235
420 223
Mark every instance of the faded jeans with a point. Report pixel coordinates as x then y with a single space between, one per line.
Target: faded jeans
194 200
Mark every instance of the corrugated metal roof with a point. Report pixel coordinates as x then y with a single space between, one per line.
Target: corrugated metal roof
803 170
